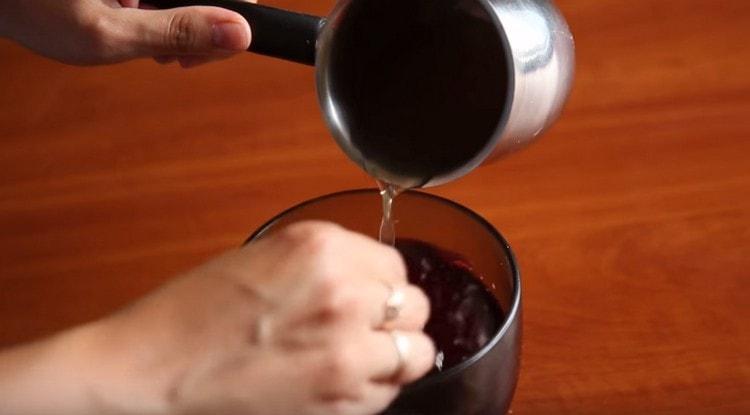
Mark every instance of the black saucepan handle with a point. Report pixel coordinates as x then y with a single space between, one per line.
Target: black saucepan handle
278 33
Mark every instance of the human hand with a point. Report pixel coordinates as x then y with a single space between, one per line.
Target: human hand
291 324
91 32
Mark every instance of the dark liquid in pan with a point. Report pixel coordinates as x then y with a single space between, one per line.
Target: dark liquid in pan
421 85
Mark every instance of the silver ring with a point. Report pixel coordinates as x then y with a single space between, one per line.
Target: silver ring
403 347
393 304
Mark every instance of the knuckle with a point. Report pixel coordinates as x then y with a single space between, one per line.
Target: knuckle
98 31
182 32
317 245
422 306
311 237
420 360
341 365
338 406
396 261
424 356
386 400
334 299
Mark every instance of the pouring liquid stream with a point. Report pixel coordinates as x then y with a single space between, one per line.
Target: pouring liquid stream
388 193
466 314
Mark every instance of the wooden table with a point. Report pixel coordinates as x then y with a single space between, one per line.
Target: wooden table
631 218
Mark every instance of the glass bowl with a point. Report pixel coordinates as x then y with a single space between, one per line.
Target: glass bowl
483 384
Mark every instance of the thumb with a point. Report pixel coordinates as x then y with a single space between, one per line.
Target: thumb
197 30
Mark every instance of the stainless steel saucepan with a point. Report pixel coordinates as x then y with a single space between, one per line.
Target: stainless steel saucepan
420 92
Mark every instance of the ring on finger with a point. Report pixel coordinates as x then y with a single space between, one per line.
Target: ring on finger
403 346
393 304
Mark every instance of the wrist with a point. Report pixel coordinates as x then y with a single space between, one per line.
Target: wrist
113 374
47 376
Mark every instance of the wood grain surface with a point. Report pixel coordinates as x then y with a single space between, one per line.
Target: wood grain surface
631 218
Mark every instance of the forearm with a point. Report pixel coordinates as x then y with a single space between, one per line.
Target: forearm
95 369
50 376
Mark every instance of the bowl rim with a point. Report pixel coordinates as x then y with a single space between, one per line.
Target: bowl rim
511 316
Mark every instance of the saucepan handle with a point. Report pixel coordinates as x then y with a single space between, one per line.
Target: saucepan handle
276 32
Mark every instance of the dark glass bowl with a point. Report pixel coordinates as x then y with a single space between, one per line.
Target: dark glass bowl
483 384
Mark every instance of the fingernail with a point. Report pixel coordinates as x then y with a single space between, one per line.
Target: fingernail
230 36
